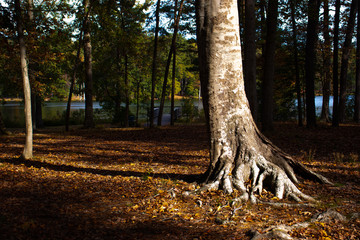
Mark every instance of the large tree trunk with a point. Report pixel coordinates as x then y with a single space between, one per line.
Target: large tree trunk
250 57
310 61
345 60
269 67
154 65
335 120
296 64
326 84
89 118
357 78
28 148
172 110
238 151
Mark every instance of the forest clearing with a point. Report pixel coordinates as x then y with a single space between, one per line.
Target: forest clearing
129 183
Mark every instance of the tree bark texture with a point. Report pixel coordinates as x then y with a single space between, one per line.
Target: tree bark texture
345 60
269 67
335 120
154 65
238 151
310 61
28 148
296 64
250 57
89 118
357 78
326 83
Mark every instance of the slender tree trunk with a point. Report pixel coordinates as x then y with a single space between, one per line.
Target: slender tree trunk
127 100
269 67
39 118
173 43
345 60
72 82
357 78
335 120
310 61
28 148
250 57
239 153
89 118
137 102
3 130
296 64
154 65
326 85
172 113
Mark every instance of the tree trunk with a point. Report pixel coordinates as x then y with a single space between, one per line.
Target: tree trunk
269 67
345 60
154 66
28 148
238 151
335 120
89 118
127 98
357 78
38 112
326 84
173 43
310 61
3 130
296 64
172 113
250 57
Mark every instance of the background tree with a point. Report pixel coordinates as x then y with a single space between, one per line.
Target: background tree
345 60
357 84
335 120
238 151
310 62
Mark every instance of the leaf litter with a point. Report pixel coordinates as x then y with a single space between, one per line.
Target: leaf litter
114 183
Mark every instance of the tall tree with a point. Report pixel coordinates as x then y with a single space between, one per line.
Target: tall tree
296 64
345 60
89 118
154 65
250 57
168 62
326 83
28 148
172 107
335 119
269 67
238 151
310 61
3 130
357 78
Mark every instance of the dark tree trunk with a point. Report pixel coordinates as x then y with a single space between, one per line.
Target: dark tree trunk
28 148
238 151
296 64
168 62
154 66
250 57
172 113
345 60
39 118
89 118
326 84
310 61
127 98
3 130
357 79
335 120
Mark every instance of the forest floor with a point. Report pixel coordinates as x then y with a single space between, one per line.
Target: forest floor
112 183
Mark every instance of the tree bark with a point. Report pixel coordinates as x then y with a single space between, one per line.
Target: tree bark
127 98
3 130
89 118
28 148
269 67
172 110
335 120
238 151
250 57
310 61
173 43
345 60
357 78
296 65
154 65
326 84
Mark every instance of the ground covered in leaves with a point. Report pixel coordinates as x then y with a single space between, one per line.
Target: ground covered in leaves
112 183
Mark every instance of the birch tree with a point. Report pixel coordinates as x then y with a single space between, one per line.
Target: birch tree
240 156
